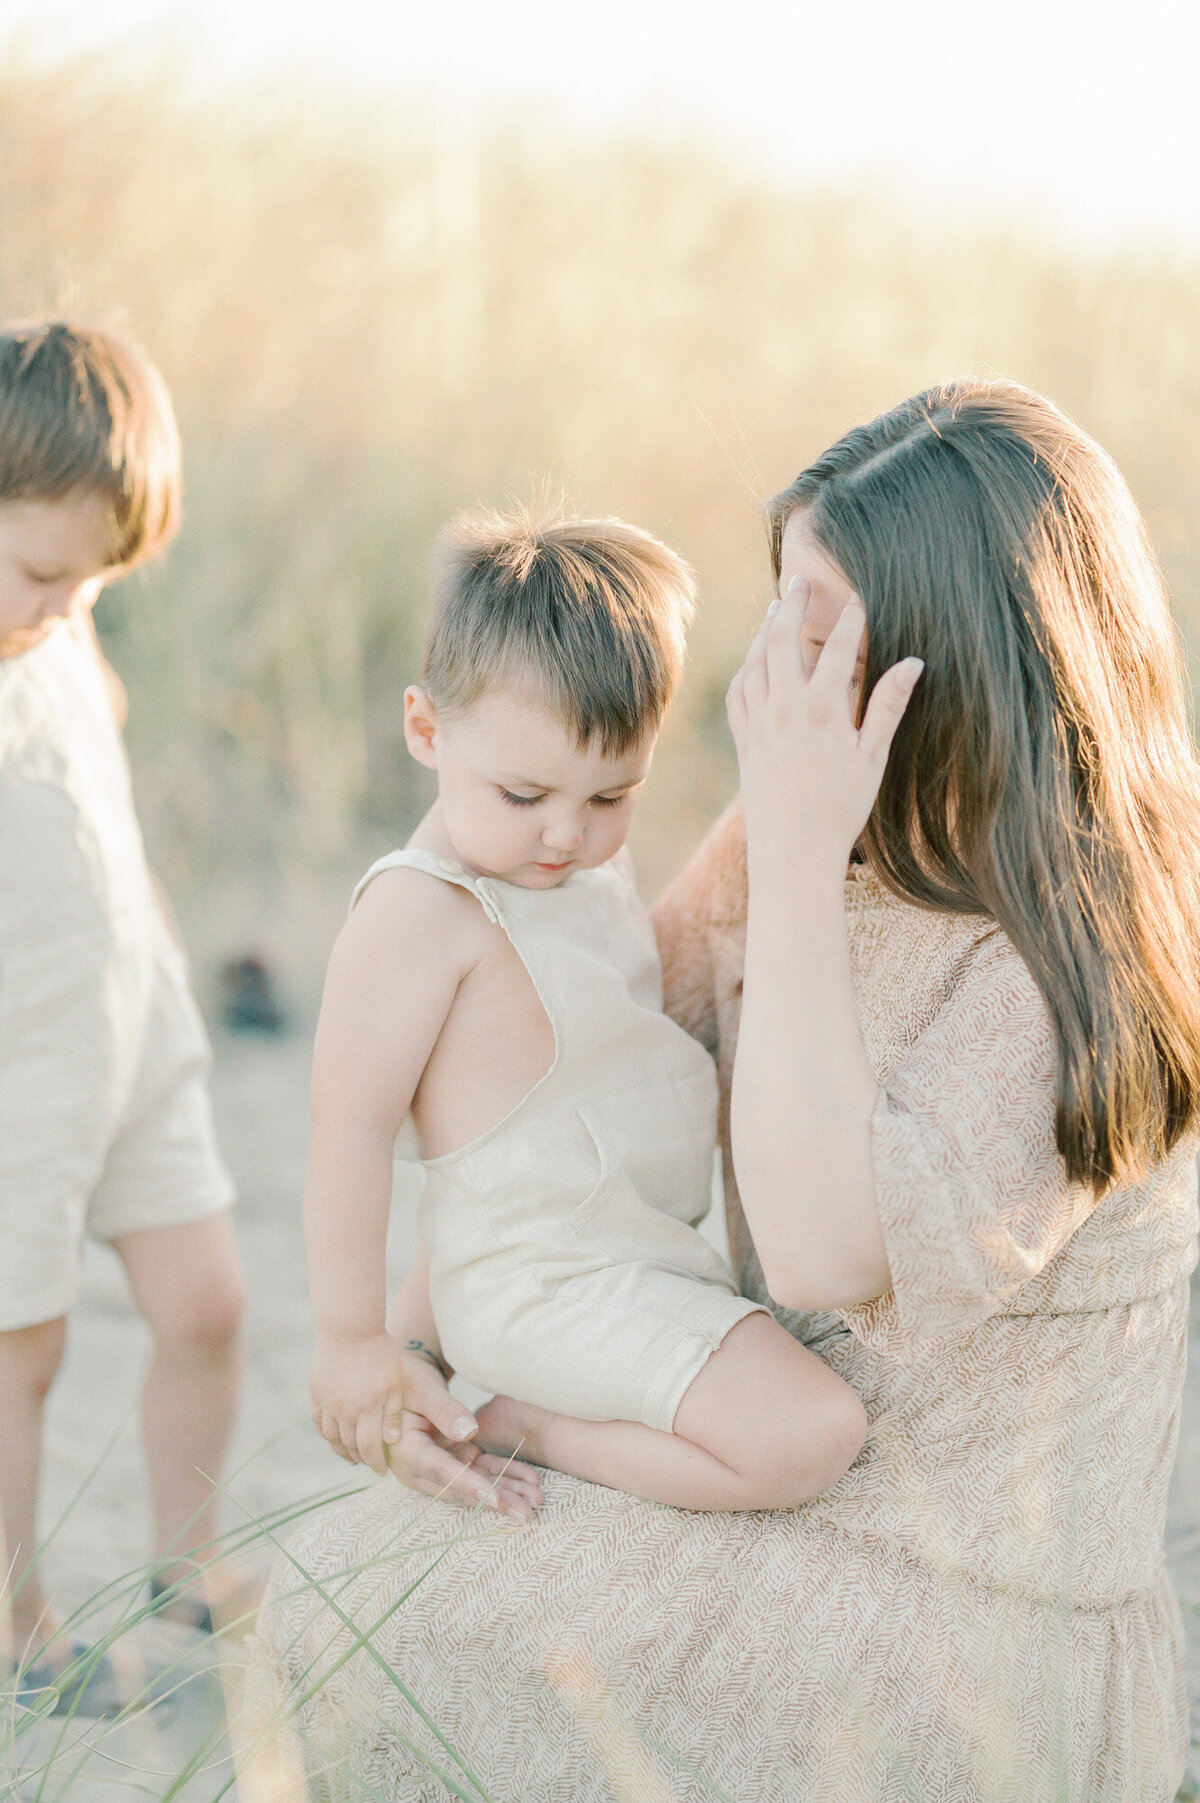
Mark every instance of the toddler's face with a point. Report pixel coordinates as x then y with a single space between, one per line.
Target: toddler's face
517 798
53 564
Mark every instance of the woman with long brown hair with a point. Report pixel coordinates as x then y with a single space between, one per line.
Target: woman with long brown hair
950 969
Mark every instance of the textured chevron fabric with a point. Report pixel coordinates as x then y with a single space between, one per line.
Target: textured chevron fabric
976 1613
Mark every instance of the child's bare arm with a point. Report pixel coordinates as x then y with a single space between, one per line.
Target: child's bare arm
392 978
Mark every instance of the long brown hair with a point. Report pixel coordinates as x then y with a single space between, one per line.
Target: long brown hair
1043 774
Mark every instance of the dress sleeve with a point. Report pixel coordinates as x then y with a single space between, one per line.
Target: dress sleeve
973 1196
683 925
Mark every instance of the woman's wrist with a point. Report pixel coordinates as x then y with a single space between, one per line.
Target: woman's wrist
423 1350
780 834
795 867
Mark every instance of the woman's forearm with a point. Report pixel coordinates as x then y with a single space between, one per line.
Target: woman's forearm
803 1089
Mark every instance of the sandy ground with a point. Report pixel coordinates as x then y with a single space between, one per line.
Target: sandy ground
103 1533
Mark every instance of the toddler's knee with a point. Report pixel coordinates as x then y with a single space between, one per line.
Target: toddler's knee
820 1448
207 1325
841 1432
30 1358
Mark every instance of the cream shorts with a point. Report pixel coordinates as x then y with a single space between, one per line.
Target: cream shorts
100 1138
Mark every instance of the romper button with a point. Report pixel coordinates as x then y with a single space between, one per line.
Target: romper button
450 867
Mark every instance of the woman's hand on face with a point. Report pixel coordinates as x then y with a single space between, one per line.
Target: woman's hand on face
809 773
430 1447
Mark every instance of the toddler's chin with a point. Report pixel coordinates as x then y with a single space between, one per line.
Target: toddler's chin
531 876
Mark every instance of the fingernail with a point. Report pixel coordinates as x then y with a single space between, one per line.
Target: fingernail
855 601
391 1434
794 583
774 607
462 1427
514 1515
912 667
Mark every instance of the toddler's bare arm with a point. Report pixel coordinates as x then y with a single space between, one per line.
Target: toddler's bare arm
393 975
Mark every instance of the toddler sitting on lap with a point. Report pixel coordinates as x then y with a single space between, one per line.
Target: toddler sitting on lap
499 980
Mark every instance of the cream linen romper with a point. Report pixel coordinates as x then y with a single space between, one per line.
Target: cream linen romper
564 1265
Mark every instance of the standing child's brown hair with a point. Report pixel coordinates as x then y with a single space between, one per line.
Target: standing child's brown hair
85 411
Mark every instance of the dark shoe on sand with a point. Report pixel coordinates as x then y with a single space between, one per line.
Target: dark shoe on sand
177 1606
86 1685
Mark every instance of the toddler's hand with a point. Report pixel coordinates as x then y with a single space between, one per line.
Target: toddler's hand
435 1453
356 1380
810 774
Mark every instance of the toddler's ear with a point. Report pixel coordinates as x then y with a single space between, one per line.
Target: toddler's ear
420 727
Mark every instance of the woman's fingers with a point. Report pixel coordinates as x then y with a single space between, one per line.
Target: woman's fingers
885 710
515 1475
516 1505
456 1475
833 676
784 627
427 1394
751 685
420 1461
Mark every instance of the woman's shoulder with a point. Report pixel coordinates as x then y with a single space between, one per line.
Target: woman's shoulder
916 968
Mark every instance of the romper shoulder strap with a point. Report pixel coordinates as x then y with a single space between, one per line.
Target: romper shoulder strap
446 869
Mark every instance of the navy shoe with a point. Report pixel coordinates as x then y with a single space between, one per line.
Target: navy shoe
189 1611
87 1685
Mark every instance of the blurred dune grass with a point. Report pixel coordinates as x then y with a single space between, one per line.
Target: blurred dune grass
371 315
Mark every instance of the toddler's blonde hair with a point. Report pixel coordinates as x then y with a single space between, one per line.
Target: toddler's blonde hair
591 614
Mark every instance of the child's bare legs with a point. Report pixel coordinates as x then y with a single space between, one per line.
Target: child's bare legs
29 1360
188 1286
765 1425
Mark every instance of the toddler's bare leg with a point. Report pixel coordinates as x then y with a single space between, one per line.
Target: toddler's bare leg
765 1425
188 1286
29 1361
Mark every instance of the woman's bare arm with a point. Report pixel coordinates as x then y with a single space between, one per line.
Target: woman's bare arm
682 926
803 1089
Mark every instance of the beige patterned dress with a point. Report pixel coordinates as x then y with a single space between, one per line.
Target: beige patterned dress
976 1613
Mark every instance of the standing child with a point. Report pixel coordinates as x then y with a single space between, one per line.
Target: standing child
106 1123
499 979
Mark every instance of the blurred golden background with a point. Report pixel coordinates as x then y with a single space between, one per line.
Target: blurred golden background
372 313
